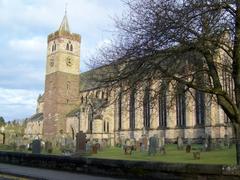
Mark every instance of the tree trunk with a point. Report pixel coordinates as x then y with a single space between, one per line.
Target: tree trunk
237 141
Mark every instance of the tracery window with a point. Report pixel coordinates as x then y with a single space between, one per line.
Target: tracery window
146 108
181 106
132 109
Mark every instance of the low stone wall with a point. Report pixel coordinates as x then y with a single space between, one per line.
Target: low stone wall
123 168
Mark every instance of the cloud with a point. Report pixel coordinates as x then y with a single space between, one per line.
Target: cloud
28 49
17 103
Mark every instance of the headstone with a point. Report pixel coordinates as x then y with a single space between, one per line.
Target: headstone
138 146
80 142
48 147
227 141
88 147
144 143
207 143
133 144
189 145
179 143
153 144
196 155
162 145
36 146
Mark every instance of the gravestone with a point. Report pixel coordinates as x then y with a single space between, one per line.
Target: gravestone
48 147
36 146
133 144
179 143
189 145
80 142
162 145
207 143
227 141
144 143
196 155
88 147
153 144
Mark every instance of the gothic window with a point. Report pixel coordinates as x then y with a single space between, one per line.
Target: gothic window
82 99
132 110
104 126
162 102
54 46
102 94
181 106
228 86
120 111
90 118
200 107
146 108
107 126
71 47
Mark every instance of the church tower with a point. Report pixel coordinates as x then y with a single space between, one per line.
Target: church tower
62 78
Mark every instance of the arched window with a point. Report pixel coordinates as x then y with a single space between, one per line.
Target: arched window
132 110
200 107
104 126
67 47
162 101
146 108
102 94
107 126
120 110
181 106
90 118
71 47
54 46
82 99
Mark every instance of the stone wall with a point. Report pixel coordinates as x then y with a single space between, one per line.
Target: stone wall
123 168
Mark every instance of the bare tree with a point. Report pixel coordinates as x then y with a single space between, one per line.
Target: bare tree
193 42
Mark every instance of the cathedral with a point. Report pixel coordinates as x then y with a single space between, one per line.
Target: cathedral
72 102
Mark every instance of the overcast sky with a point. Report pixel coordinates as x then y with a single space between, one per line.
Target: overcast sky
24 26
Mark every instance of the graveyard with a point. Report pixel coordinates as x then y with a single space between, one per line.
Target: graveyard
178 152
173 155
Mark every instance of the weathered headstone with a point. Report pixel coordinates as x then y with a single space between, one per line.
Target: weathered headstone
179 143
144 143
88 147
161 143
36 146
153 144
227 141
189 145
48 147
207 144
80 142
196 155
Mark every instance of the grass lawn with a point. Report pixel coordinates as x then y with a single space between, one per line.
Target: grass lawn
223 156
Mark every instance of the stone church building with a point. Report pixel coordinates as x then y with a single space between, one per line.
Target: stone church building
72 102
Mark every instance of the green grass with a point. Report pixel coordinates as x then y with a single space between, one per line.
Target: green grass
221 156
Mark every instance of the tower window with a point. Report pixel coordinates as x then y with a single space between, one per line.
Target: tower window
71 47
54 46
67 47
82 99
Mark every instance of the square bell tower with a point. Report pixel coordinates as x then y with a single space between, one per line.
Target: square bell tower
62 79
